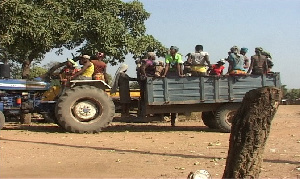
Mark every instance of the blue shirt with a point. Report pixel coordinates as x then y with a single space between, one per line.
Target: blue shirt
237 61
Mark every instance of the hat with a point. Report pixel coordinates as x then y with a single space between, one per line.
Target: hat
234 49
175 48
265 53
86 56
259 49
221 61
151 54
244 49
73 62
123 67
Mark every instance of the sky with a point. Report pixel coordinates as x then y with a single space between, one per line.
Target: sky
218 25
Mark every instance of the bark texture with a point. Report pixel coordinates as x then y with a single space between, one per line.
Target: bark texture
26 69
249 132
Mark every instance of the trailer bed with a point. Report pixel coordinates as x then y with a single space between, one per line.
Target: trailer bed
208 89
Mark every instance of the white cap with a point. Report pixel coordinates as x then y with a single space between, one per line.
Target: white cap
86 56
222 60
123 67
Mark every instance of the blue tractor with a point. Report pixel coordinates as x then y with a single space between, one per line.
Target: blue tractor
19 98
83 107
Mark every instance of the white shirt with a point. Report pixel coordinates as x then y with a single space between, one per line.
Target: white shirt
198 58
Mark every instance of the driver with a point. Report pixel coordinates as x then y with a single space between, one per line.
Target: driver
68 71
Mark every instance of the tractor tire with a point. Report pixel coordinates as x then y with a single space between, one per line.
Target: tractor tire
84 109
224 116
25 118
208 118
2 120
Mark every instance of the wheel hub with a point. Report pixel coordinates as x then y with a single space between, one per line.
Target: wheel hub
230 116
85 110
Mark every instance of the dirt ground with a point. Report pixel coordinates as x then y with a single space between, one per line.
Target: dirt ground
141 150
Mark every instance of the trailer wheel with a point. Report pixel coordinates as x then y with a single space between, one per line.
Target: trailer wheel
208 118
84 109
25 118
224 116
2 120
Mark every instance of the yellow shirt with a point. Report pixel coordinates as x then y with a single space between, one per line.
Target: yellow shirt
89 71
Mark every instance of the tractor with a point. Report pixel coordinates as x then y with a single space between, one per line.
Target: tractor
87 107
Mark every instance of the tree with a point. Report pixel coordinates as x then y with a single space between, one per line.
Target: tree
292 94
113 27
249 132
29 29
284 90
37 71
34 71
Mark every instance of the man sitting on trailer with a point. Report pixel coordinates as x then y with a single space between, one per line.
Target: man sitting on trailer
258 65
200 61
236 62
173 63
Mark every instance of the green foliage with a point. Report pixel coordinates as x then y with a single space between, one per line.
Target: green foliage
114 27
292 94
29 29
15 70
109 78
35 71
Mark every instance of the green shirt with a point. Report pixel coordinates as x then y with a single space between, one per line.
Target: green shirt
173 62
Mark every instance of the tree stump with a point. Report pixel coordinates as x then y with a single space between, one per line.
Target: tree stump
250 130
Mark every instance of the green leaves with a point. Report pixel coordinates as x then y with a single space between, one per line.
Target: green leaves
30 28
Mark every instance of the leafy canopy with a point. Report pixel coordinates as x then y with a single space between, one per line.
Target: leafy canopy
31 28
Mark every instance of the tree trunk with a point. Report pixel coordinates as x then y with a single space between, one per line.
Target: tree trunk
249 132
50 72
25 69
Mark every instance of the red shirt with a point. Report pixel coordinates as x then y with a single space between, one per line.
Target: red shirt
216 69
67 71
99 66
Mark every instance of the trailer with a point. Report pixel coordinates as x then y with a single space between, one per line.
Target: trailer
217 97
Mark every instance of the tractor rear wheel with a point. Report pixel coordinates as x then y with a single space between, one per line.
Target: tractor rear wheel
84 109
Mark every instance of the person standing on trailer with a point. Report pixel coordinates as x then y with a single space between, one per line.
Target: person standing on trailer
99 67
121 81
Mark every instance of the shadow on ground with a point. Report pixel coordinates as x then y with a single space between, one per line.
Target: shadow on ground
116 126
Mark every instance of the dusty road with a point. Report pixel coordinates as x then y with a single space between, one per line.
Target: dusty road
132 150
